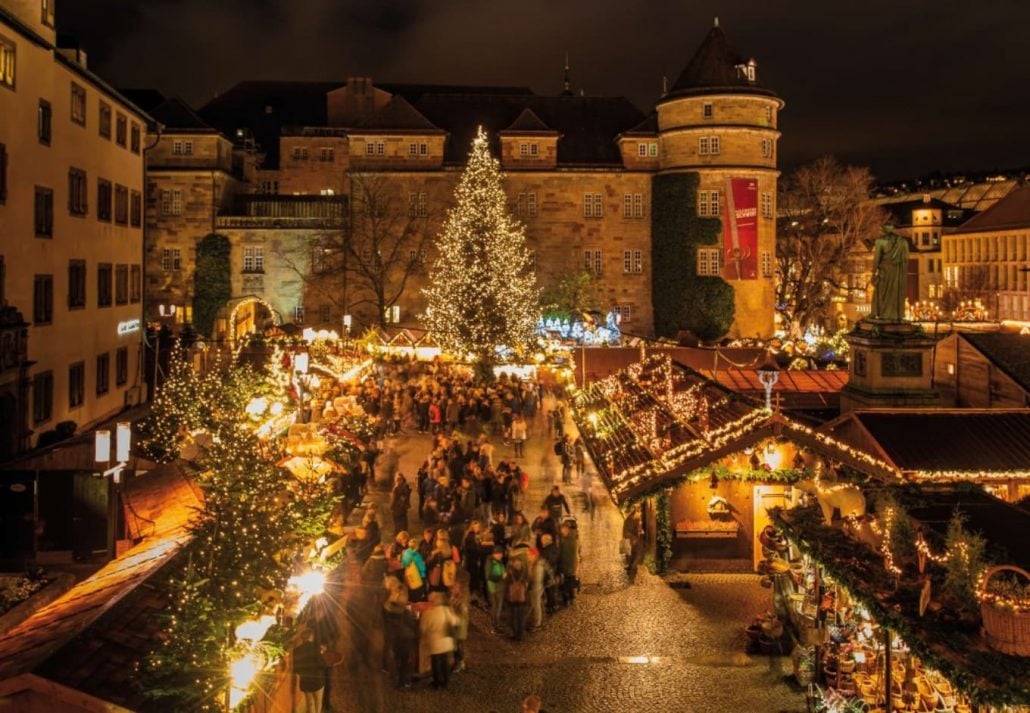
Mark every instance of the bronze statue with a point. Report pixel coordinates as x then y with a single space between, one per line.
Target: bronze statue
890 270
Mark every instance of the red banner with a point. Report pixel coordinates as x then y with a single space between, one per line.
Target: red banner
740 230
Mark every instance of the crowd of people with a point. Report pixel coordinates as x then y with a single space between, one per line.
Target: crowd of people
477 542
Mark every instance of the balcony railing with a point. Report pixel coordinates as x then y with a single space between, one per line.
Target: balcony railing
268 211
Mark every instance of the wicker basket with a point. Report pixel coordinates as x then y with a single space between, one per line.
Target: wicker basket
1007 630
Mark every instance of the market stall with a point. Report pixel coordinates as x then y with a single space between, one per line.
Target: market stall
903 609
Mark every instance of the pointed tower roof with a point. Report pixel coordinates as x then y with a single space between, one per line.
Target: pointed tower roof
717 68
399 115
528 122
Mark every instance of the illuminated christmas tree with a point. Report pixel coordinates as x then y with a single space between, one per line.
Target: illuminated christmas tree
482 292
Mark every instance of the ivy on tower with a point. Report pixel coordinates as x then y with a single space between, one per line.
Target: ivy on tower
482 290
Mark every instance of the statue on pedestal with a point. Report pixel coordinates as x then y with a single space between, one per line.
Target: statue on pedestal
890 271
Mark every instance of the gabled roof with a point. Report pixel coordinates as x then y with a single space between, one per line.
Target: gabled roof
527 123
162 502
1009 213
647 127
398 115
1010 352
714 69
954 441
901 211
588 126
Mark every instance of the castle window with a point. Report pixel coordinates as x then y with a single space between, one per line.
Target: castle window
709 262
642 150
652 149
767 148
706 110
592 206
768 114
327 153
525 204
418 149
708 204
702 145
412 149
624 313
633 205
633 261
171 259
767 266
417 205
375 148
715 145
529 149
708 145
416 257
593 261
253 258
767 209
299 153
171 202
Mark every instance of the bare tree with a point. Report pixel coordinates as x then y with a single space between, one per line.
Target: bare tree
824 216
371 262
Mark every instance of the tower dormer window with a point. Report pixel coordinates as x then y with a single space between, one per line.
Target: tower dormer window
747 70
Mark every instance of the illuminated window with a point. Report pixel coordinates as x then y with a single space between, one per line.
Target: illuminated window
105 120
593 261
652 149
7 62
78 104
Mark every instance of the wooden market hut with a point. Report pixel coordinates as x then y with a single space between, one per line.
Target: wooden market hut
990 447
717 459
945 636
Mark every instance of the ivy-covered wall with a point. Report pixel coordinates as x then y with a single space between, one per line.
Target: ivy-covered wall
212 287
683 300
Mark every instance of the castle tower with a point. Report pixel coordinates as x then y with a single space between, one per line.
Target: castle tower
718 123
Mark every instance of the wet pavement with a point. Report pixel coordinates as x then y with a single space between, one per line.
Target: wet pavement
642 647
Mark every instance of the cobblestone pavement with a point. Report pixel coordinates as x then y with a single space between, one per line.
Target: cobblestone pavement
619 648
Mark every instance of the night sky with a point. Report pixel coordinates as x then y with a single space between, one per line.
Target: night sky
906 88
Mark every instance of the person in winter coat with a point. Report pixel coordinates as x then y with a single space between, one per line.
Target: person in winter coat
369 601
310 670
549 551
459 602
401 632
400 502
473 554
394 553
555 502
493 570
539 575
435 417
568 563
435 628
518 434
516 584
633 530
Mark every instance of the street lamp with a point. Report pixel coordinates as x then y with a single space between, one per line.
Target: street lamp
768 375
102 455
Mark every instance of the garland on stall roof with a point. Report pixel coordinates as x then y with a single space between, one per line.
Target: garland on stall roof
663 531
986 677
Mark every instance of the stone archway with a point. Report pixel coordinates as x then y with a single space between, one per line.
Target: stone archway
246 315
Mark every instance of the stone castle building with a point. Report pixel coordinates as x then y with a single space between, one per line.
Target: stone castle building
330 195
71 235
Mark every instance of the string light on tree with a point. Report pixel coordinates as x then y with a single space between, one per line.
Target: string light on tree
483 293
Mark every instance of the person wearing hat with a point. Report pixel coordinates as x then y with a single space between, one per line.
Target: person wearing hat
494 572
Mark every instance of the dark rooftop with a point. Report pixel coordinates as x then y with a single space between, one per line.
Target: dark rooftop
528 123
588 126
399 115
1009 352
952 440
951 215
1012 211
716 67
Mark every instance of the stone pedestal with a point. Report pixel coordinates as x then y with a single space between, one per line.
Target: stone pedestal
890 367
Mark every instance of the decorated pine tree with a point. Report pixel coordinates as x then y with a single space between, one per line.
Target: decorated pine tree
482 292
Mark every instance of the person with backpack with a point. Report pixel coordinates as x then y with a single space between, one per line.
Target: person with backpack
494 572
414 572
516 586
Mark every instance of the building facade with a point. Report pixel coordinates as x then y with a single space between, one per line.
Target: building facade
335 192
71 216
986 258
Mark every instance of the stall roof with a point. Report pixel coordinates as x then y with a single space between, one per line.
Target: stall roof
652 424
945 440
81 639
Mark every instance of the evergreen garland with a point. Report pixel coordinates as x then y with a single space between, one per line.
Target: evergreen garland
683 300
212 281
663 531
